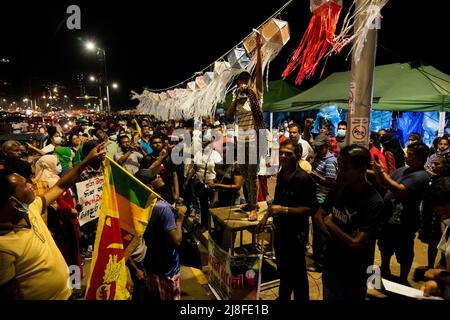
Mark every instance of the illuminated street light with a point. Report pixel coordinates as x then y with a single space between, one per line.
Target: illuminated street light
90 46
92 78
115 85
86 97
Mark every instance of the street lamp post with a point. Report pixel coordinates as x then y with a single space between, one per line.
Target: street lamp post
93 79
102 54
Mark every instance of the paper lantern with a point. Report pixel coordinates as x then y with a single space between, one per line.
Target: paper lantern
316 41
220 67
191 85
238 59
207 77
171 94
200 82
274 31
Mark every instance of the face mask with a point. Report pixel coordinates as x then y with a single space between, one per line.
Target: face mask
230 133
341 133
113 137
58 169
150 133
58 140
286 125
23 207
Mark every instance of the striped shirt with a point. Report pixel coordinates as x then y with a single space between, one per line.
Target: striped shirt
245 118
326 167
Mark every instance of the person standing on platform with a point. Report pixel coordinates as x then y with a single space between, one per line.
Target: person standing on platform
247 107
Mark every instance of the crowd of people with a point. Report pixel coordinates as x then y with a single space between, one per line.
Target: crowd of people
350 196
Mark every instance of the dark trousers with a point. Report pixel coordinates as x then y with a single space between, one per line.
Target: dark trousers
203 195
291 265
319 246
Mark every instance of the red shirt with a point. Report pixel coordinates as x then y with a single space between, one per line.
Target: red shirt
375 152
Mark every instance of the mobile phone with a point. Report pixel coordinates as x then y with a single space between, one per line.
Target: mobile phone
376 158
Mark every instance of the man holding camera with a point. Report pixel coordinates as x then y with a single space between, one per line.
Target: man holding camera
247 106
128 157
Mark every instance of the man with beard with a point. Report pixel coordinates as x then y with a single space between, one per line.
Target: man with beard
160 162
128 157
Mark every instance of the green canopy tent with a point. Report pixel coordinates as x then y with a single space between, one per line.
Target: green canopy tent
397 87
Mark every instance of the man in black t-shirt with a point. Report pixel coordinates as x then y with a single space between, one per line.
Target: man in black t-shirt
295 200
349 217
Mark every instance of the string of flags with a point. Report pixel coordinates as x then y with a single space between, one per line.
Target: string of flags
199 96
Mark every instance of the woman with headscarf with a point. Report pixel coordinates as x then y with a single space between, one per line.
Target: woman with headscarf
65 156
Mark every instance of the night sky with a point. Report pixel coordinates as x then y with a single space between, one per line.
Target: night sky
157 44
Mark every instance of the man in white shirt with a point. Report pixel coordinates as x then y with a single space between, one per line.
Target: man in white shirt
295 136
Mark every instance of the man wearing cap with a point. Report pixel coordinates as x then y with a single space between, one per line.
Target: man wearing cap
246 106
324 173
163 237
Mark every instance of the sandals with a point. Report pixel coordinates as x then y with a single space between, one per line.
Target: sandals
252 215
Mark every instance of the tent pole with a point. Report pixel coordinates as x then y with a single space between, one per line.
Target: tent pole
361 86
441 124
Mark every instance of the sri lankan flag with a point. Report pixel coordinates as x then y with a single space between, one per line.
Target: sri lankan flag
138 127
126 208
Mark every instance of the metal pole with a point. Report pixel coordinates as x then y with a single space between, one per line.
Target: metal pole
108 105
101 98
441 129
271 122
107 98
361 87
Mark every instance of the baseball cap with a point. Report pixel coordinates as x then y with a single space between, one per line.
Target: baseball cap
320 140
146 176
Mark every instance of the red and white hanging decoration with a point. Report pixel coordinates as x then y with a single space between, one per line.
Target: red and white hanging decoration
317 40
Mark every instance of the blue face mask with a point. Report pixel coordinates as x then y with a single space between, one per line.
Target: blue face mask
23 207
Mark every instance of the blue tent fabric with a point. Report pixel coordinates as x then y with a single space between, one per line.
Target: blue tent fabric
380 120
410 122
